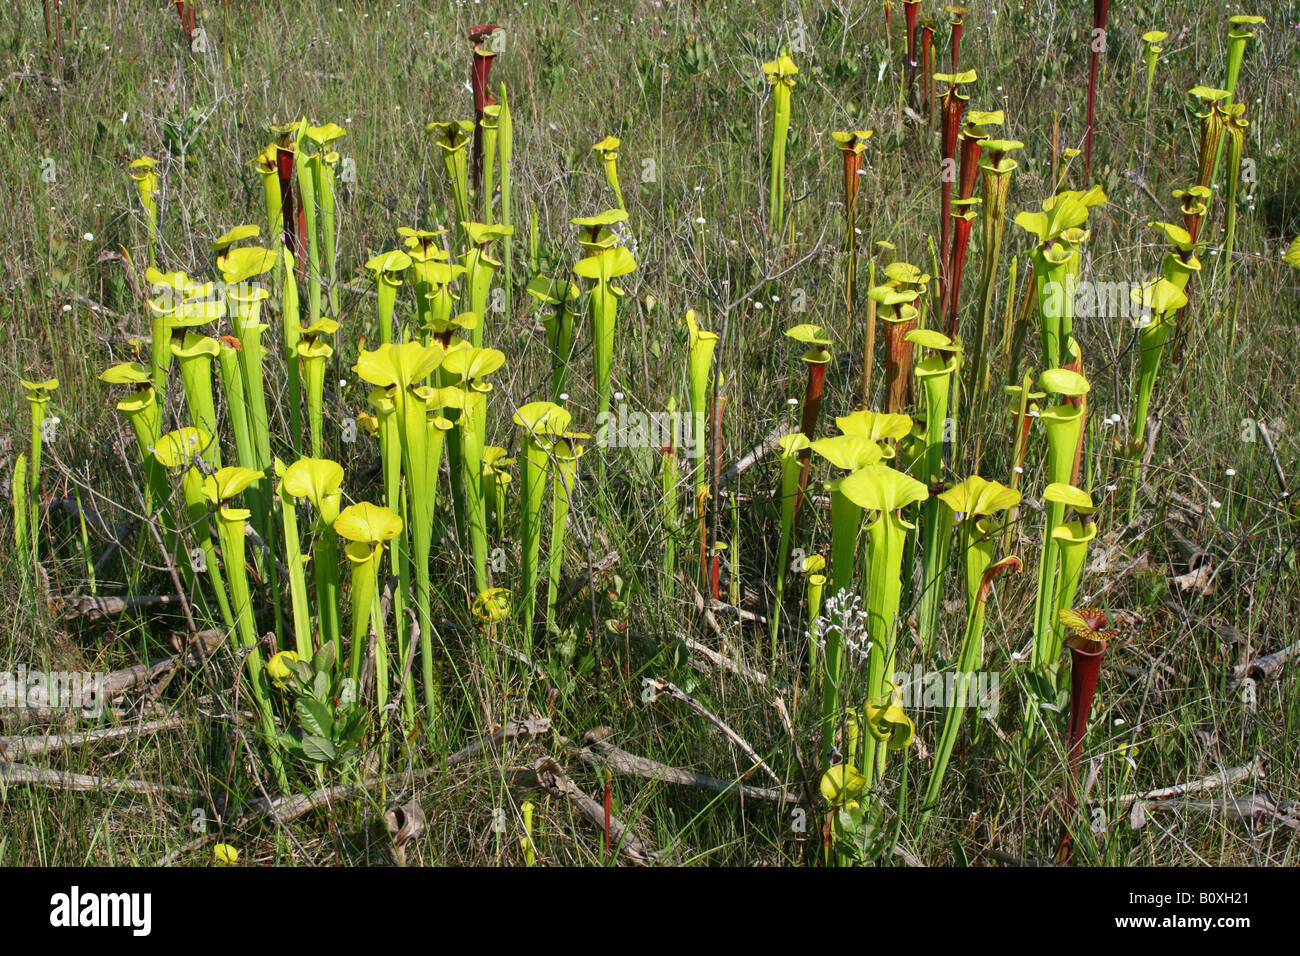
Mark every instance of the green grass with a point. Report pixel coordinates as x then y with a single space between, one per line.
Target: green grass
693 147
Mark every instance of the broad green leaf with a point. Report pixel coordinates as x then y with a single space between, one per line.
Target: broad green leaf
319 749
1159 296
177 448
394 261
480 234
316 479
977 496
1063 494
790 445
606 218
849 452
881 488
228 482
1292 255
809 334
398 365
194 345
968 76
238 265
543 418
366 523
781 70
127 373
606 265
878 426
1063 381
932 339
235 235
473 363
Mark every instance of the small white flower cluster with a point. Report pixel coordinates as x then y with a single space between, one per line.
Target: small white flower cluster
844 613
624 237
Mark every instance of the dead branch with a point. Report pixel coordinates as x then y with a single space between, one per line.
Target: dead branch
34 745
1263 668
17 774
600 753
548 775
751 457
1253 770
662 686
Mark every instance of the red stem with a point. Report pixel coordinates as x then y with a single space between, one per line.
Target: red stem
1085 667
927 64
284 166
1100 11
953 106
898 364
812 405
185 11
960 246
910 13
852 163
479 73
970 159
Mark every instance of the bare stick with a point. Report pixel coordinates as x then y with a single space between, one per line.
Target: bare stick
547 774
662 686
17 774
1262 668
751 457
19 748
600 753
1254 770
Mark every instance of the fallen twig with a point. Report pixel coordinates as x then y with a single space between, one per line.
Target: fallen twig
19 774
1252 770
748 460
1248 811
34 745
662 686
599 752
90 607
513 729
1263 668
547 774
727 664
